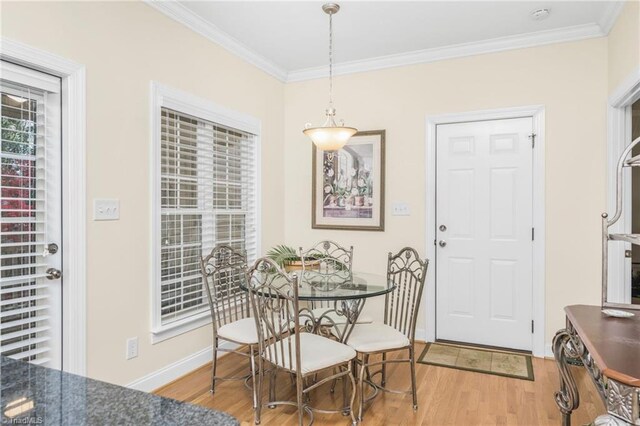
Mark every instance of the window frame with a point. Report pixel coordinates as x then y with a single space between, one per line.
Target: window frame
185 103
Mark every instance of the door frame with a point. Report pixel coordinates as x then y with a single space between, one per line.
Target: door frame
618 135
72 74
537 112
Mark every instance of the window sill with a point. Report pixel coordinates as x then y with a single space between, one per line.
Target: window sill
177 328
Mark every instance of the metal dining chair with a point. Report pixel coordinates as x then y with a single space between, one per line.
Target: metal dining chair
330 264
397 333
284 347
223 270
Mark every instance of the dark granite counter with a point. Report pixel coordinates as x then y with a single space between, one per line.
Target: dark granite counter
30 394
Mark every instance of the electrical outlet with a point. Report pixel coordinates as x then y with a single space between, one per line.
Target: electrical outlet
400 209
104 209
132 348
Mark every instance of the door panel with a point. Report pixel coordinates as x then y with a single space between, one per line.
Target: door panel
30 213
484 251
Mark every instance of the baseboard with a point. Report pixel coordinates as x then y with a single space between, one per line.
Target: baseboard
548 351
421 334
176 369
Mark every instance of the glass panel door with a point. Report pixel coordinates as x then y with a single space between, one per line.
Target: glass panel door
30 217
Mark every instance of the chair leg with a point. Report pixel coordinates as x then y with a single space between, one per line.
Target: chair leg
383 380
354 421
300 400
272 387
363 367
333 385
214 364
345 399
258 393
253 376
412 361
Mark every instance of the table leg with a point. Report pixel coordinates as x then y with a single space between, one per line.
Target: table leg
567 398
351 310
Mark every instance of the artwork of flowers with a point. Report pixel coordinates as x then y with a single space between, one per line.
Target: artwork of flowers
348 184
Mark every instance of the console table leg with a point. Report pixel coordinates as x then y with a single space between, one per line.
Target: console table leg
567 398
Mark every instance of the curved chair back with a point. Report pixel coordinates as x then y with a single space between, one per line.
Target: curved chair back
327 257
223 270
409 273
274 301
325 266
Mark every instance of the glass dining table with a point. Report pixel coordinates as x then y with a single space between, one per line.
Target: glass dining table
332 302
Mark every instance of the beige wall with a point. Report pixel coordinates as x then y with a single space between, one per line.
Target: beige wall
624 45
124 45
569 79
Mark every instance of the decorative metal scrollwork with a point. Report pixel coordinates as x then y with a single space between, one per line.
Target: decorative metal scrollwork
567 398
622 401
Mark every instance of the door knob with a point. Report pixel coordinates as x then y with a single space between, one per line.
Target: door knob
443 228
442 243
54 274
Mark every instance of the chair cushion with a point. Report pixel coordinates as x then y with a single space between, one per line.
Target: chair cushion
376 337
316 353
242 331
338 319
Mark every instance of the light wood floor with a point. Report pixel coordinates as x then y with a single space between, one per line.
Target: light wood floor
445 397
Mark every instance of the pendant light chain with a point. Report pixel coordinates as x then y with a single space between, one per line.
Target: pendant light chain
331 60
330 136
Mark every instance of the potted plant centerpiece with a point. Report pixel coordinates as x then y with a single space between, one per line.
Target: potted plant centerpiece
289 259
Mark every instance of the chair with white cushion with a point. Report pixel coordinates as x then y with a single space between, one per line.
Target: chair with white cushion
223 271
274 300
329 265
397 333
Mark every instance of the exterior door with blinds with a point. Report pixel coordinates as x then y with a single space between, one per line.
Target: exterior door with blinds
30 217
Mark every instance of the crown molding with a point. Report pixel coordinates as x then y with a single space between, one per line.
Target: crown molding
193 21
610 15
574 33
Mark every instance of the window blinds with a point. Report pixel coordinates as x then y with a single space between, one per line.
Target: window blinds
208 197
24 293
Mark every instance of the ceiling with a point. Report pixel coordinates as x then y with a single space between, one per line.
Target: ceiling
291 38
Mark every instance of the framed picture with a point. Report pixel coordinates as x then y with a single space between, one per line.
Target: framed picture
348 184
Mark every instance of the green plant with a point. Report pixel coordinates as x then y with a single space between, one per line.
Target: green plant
283 255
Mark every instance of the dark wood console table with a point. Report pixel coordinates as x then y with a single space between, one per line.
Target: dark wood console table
609 348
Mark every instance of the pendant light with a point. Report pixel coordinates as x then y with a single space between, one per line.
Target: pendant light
330 137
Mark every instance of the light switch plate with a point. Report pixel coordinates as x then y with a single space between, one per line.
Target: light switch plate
132 348
400 209
106 209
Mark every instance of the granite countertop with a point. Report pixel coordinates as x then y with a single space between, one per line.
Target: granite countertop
31 394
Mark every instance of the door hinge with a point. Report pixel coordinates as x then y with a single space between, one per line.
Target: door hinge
533 234
532 326
532 136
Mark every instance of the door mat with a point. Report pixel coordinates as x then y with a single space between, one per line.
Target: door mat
487 361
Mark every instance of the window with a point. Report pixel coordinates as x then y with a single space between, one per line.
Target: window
206 189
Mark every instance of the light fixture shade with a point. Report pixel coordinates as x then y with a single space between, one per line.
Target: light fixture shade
330 138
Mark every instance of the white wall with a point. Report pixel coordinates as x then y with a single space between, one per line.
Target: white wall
569 79
124 46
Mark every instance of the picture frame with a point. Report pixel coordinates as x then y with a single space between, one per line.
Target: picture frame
348 185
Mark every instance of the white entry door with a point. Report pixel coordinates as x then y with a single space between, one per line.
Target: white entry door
484 232
30 216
